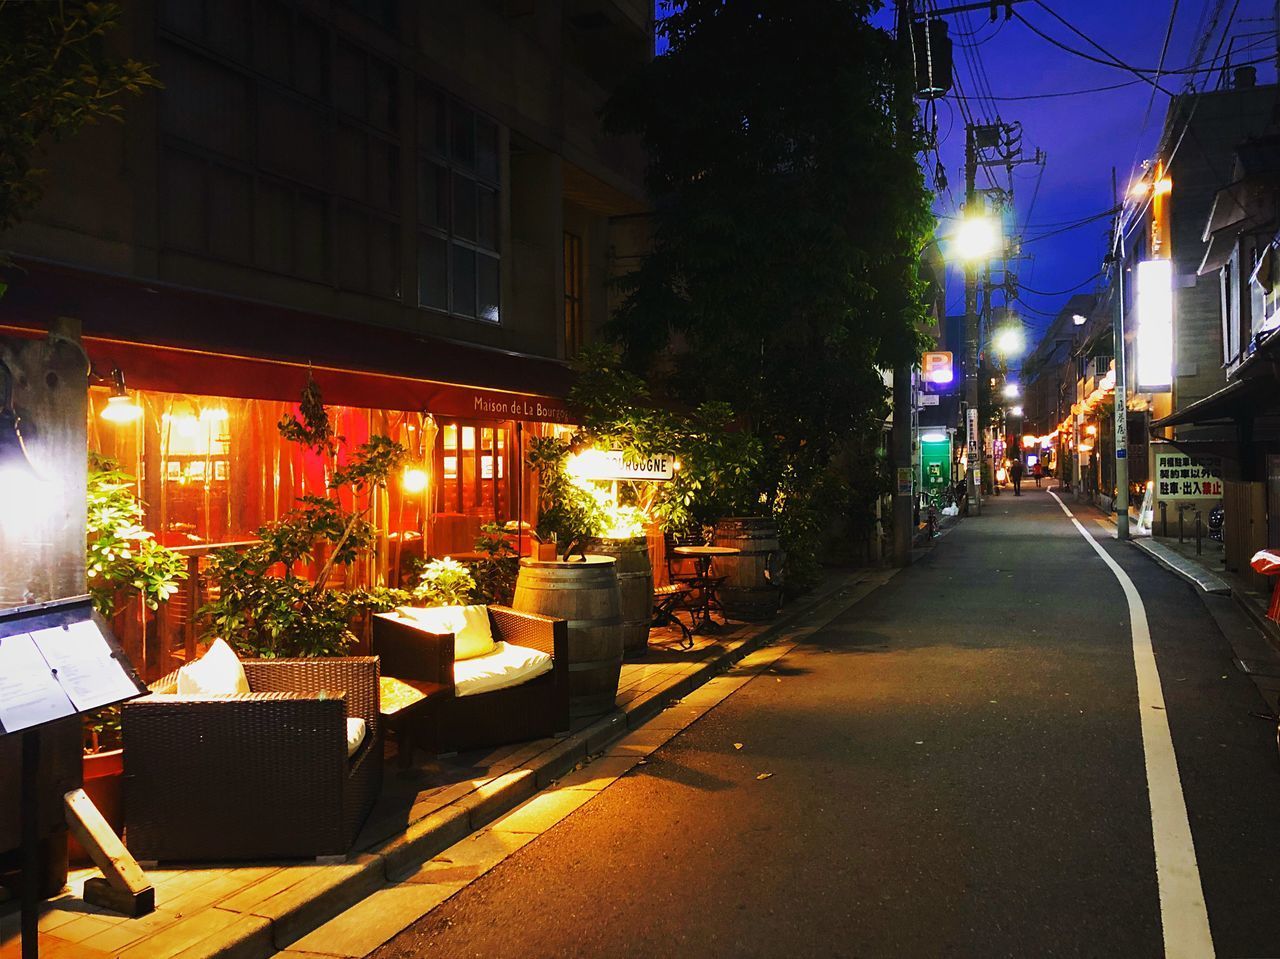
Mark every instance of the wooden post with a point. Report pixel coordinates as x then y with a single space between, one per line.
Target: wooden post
123 887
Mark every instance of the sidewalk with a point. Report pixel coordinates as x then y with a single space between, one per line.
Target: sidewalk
248 911
1254 639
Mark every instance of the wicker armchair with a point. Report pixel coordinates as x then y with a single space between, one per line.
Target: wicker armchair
532 710
258 776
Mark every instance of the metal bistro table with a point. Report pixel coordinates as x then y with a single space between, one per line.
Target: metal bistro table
705 583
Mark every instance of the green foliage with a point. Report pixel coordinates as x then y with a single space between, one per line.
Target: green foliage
567 513
314 430
445 582
789 220
495 574
55 76
120 554
719 461
261 605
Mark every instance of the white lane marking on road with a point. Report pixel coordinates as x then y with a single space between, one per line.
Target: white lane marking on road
1183 914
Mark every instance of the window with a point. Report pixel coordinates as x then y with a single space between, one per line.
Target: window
572 294
459 269
474 483
266 167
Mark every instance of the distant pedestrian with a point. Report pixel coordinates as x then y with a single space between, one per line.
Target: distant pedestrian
1016 472
1038 472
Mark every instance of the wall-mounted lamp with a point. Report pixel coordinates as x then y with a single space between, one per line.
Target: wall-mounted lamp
121 407
413 479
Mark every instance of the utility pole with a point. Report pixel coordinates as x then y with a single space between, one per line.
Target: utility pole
1122 400
900 441
974 447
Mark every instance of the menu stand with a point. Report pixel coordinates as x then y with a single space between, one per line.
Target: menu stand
57 660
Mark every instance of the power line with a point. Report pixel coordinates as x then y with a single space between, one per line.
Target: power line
1071 93
1070 289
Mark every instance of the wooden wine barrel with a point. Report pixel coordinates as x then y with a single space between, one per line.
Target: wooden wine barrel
635 588
586 595
746 594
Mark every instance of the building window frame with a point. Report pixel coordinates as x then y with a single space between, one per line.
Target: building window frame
459 256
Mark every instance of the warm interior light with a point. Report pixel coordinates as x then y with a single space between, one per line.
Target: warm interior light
214 414
1011 391
414 479
1091 430
976 238
1163 186
1079 319
120 407
1029 441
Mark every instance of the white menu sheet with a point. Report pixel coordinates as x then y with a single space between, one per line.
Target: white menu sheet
81 660
29 692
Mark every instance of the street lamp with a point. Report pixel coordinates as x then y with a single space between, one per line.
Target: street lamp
976 238
1011 391
1015 411
1010 341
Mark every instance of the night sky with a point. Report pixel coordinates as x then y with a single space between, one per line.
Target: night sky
1082 136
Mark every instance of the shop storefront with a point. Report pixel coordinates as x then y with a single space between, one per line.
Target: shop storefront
198 429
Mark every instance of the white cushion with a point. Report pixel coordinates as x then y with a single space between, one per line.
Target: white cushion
507 665
356 728
217 673
468 624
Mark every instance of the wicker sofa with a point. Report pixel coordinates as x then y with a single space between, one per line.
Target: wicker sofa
258 776
536 708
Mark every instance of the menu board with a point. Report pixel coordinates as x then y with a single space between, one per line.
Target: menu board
85 666
30 694
56 661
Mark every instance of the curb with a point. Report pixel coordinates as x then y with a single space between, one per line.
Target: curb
286 917
1219 588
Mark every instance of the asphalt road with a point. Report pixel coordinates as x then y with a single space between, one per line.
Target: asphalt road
957 771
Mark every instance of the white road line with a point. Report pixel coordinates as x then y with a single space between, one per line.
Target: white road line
1183 915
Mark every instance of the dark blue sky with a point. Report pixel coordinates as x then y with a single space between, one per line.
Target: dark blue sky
1083 136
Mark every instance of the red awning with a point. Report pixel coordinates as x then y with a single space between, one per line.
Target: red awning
180 340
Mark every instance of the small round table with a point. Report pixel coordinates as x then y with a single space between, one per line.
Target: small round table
705 583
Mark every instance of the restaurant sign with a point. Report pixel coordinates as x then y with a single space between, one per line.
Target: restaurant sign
612 465
1179 476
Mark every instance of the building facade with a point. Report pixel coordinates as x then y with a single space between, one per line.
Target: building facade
413 205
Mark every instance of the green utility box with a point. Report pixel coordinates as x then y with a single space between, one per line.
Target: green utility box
935 466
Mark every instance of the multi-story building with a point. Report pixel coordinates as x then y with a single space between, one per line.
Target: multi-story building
415 204
1172 312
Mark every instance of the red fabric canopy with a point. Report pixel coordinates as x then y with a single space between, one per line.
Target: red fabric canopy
179 340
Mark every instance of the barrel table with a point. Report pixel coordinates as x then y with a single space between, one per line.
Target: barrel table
747 593
635 588
584 593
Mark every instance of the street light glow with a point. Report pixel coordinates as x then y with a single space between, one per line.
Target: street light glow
1015 411
1011 391
976 238
1079 319
1010 341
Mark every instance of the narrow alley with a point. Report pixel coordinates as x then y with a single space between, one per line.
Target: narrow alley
957 768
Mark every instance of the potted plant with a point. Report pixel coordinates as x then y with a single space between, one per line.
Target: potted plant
444 582
624 539
124 565
265 607
581 589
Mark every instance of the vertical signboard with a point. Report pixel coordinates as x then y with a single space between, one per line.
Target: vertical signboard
1155 325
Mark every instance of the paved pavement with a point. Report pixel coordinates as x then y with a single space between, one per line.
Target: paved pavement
956 768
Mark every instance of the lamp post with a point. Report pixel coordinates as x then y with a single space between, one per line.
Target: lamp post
977 238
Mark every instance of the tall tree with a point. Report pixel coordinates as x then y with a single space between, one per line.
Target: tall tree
789 220
56 75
